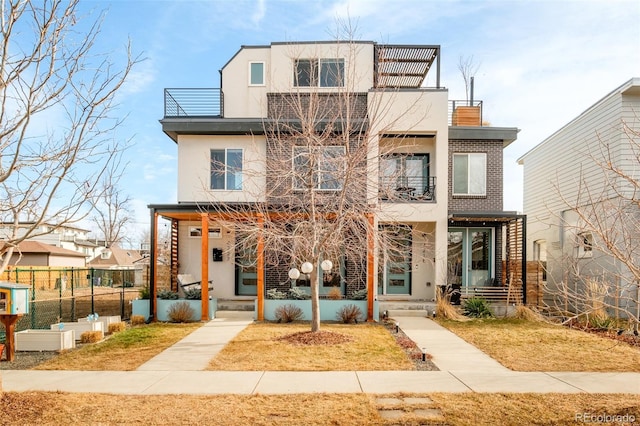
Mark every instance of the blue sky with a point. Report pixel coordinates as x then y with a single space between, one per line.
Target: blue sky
541 63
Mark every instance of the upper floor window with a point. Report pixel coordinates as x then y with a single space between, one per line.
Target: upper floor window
256 73
318 167
226 169
585 244
470 174
319 72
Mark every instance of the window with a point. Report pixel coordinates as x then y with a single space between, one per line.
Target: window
404 172
323 73
256 73
226 169
469 174
318 167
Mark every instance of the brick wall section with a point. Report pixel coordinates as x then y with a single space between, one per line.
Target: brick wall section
493 199
318 106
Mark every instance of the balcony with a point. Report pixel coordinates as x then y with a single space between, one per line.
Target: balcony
465 113
415 189
193 102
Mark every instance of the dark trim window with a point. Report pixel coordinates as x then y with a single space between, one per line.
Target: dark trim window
325 72
226 169
320 168
470 174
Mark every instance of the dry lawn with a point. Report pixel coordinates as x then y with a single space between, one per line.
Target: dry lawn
48 408
537 346
122 351
371 348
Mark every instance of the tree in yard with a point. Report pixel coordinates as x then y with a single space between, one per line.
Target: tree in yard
322 173
57 98
602 273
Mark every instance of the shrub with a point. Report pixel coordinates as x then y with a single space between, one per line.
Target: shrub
137 320
359 294
180 312
334 293
144 292
477 307
276 294
91 336
288 313
193 293
167 295
117 327
599 322
349 313
444 308
296 293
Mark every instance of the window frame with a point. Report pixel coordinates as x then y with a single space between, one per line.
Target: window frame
227 172
251 83
584 242
315 75
318 172
469 172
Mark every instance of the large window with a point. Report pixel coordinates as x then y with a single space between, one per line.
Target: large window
322 72
256 73
226 169
318 167
470 174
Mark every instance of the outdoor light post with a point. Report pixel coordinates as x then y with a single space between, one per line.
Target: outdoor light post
307 268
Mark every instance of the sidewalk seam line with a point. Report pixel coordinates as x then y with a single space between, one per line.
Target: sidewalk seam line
359 382
548 374
253 391
460 380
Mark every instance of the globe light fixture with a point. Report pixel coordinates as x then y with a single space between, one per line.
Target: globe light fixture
326 265
294 274
306 267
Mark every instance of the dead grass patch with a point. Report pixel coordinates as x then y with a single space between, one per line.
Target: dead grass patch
308 409
537 346
370 347
123 351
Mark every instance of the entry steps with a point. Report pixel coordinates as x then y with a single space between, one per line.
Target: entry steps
407 308
234 308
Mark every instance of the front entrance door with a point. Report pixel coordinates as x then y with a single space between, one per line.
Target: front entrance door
469 256
395 275
246 272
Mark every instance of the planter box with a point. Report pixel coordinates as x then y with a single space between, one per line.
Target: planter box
328 308
106 320
44 340
196 305
79 327
140 307
466 116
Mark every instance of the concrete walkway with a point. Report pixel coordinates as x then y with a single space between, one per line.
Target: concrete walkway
178 371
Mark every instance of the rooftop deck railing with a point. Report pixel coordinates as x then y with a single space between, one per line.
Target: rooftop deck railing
465 113
193 102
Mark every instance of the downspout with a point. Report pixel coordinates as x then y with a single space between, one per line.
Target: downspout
152 265
524 260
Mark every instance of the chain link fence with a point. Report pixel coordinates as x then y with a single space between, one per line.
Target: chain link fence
67 294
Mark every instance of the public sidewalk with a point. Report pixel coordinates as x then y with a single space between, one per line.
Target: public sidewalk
178 371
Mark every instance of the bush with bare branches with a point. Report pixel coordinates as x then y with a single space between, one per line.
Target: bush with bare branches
180 312
288 313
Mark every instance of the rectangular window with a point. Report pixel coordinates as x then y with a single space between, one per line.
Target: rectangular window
319 168
469 174
331 72
323 73
256 73
226 169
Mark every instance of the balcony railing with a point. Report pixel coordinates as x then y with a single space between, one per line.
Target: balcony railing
411 188
198 102
465 113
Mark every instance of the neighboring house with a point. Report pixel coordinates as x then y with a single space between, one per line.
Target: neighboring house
36 253
562 177
68 237
441 193
115 257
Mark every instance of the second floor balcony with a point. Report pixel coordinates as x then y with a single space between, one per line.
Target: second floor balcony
193 102
416 189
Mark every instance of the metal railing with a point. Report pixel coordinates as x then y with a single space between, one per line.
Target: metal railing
421 189
193 102
465 113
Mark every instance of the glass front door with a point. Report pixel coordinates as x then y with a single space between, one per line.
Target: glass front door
395 274
247 272
469 256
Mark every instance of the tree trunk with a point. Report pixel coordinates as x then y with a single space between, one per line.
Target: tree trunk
315 302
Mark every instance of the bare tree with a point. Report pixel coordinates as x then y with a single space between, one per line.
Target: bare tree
323 156
601 273
468 68
111 207
57 95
